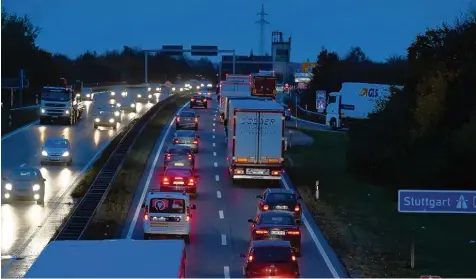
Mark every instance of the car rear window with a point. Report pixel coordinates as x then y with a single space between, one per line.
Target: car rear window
187 114
167 205
277 220
285 197
185 133
273 254
178 172
179 151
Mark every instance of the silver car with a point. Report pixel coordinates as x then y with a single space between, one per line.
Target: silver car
179 156
188 138
186 120
57 150
105 119
23 184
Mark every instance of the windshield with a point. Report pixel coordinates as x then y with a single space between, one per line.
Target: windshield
274 254
56 95
272 219
57 143
278 197
24 174
167 205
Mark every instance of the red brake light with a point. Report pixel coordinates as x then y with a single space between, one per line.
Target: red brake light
293 258
165 181
294 233
188 214
176 141
146 213
188 218
195 141
192 99
169 155
297 208
250 258
190 156
178 119
191 182
261 232
196 120
265 207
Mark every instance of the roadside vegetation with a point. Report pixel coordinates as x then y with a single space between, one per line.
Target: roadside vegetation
110 218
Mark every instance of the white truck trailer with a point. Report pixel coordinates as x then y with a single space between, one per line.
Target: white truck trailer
255 139
355 101
238 78
230 89
118 258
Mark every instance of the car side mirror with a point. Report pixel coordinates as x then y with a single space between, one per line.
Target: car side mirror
143 205
193 206
259 197
251 221
242 255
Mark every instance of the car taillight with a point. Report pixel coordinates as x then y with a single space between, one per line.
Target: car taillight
165 180
196 120
146 213
294 232
178 119
250 258
261 232
293 258
297 208
192 100
191 182
169 156
190 156
176 141
188 214
195 141
265 207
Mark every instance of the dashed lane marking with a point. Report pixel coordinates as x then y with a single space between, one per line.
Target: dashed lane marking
219 194
226 271
223 239
217 178
213 136
215 164
213 144
220 213
214 154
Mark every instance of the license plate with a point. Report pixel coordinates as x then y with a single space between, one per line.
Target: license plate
179 164
188 119
277 233
187 141
198 101
256 171
158 224
54 159
54 116
281 207
179 182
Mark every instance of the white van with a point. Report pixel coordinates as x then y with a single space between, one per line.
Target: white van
167 214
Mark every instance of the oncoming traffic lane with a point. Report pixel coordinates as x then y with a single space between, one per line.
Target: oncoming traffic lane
219 227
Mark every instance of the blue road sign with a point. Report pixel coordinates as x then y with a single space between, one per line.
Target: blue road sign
436 201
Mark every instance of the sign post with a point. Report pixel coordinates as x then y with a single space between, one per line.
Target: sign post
435 201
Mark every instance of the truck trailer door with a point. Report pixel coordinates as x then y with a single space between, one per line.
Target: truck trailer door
270 140
246 137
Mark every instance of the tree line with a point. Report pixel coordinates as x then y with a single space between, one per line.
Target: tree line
19 51
425 135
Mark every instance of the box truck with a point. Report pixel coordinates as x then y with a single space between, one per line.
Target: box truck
232 89
355 101
256 139
238 78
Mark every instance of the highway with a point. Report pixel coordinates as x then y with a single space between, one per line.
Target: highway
220 231
27 227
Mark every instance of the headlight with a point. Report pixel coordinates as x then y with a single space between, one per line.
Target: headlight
97 119
173 88
198 87
209 85
42 111
66 154
111 120
8 186
202 85
148 89
66 111
150 96
139 95
118 105
133 105
113 93
36 187
44 153
181 89
157 89
124 93
88 95
116 113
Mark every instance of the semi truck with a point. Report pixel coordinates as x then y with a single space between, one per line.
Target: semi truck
264 83
256 140
118 258
60 104
355 101
238 78
230 89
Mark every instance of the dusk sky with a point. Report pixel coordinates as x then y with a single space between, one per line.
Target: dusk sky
380 27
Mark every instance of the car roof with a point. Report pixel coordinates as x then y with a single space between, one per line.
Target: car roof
270 243
159 194
276 213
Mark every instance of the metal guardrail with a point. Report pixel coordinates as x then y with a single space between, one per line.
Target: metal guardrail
79 220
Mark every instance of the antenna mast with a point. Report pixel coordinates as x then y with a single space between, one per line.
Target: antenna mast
262 22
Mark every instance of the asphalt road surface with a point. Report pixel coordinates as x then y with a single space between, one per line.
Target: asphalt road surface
27 227
220 231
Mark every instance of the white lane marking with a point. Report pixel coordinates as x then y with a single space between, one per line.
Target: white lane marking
316 241
22 165
213 136
214 154
20 130
215 164
213 124
214 119
213 144
226 270
149 176
217 178
219 194
220 213
223 239
213 130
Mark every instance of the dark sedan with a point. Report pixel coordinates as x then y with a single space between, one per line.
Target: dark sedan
280 200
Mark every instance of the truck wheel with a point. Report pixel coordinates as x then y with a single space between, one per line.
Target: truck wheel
333 124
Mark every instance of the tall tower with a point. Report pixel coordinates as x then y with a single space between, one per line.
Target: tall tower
262 23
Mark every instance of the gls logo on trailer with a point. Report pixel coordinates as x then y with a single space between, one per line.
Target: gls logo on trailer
371 93
251 120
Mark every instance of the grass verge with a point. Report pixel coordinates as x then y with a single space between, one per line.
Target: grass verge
362 224
109 219
19 118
